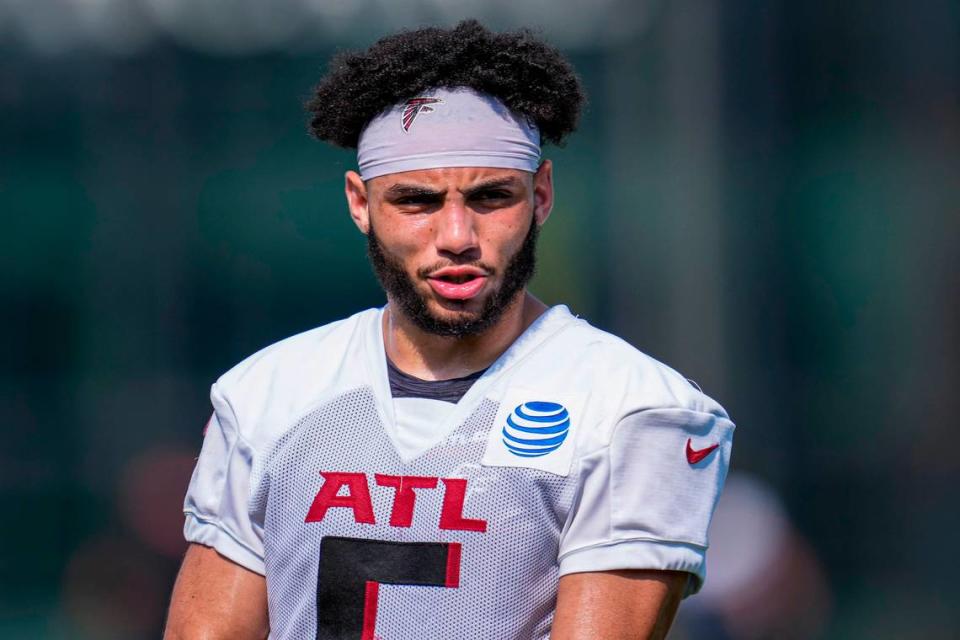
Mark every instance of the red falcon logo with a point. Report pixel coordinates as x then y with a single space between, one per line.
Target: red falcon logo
413 108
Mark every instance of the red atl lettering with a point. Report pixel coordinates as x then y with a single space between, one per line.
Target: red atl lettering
357 499
404 499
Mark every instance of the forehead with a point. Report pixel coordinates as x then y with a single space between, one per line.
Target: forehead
449 178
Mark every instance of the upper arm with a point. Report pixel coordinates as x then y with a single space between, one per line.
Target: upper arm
216 598
220 591
219 506
617 605
635 541
643 503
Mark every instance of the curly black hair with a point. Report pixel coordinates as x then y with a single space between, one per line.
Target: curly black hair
528 75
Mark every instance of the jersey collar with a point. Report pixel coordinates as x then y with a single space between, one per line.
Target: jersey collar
551 322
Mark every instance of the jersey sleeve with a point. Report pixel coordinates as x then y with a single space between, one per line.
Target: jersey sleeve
218 497
645 500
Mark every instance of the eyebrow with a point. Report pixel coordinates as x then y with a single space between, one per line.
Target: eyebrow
404 189
495 183
401 189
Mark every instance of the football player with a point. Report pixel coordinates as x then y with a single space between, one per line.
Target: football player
464 462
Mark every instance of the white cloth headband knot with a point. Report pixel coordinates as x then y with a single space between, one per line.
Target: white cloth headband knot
447 127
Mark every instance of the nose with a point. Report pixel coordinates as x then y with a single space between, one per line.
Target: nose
456 233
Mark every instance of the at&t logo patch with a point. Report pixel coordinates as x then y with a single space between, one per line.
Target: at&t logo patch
536 429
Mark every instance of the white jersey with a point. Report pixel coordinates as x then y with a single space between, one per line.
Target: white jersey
573 452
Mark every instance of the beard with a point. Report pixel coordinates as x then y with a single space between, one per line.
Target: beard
403 292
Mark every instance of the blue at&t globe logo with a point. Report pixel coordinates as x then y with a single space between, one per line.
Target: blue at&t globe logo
535 429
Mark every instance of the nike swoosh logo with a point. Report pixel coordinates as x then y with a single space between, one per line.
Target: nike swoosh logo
694 455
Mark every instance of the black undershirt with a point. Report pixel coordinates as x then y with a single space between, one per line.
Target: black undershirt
403 385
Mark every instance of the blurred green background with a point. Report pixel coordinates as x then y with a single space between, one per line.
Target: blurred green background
765 195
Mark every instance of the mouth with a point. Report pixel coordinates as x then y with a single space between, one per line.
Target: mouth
458 283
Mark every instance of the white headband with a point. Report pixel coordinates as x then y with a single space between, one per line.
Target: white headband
447 127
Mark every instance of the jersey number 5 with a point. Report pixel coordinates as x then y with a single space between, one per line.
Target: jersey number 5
352 570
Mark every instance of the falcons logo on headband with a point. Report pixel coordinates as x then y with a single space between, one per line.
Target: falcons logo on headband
413 108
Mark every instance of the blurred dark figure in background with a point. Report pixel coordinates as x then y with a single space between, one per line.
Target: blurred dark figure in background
765 582
547 477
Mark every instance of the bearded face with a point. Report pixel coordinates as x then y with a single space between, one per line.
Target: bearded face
413 300
453 247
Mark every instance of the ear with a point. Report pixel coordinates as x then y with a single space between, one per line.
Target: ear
543 192
357 201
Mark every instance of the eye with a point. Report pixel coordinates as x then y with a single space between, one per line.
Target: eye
417 200
492 195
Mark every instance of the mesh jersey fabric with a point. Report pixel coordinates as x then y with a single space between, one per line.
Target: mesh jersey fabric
617 492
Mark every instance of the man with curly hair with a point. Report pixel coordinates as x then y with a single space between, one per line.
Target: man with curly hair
464 462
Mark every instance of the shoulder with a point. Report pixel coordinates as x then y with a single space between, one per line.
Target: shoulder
616 379
274 385
315 351
635 381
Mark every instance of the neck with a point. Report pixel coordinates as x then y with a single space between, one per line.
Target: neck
432 357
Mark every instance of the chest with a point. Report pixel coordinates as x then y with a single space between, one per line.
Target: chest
338 472
341 510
